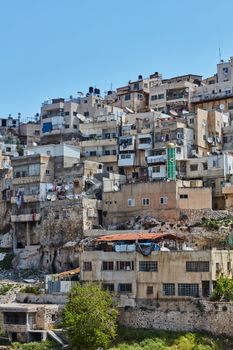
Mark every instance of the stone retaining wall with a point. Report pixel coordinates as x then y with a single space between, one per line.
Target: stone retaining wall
190 315
195 216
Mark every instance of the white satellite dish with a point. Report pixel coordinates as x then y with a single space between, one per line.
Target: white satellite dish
53 197
172 112
115 188
129 110
210 139
221 107
48 197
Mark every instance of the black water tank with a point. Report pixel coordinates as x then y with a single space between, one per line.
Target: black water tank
91 89
140 77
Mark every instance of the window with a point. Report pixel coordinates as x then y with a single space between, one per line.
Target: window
75 126
205 166
156 169
154 97
127 97
108 286
125 288
47 172
86 114
140 97
149 290
125 265
193 167
163 200
131 202
74 114
67 113
160 96
92 153
168 289
109 168
178 150
136 86
8 149
184 196
197 266
188 289
229 266
87 266
85 101
107 153
148 266
67 126
107 265
191 121
145 201
225 70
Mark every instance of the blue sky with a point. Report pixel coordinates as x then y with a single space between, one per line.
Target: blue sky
54 48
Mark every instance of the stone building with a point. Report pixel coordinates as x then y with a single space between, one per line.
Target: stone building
151 266
161 199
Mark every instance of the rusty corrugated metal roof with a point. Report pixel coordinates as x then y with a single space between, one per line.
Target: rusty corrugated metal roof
137 237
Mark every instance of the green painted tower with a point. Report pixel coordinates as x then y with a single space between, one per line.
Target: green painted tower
171 161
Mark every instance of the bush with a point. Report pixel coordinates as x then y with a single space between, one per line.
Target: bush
31 289
223 289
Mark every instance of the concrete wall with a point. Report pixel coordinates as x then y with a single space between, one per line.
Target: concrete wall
196 197
193 315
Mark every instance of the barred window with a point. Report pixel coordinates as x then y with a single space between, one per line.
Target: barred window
188 289
125 288
148 266
168 289
197 266
107 265
87 266
125 265
108 286
149 290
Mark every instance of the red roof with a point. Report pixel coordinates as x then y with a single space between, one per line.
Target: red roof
137 237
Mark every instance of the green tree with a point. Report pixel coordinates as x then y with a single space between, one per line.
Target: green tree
89 318
223 289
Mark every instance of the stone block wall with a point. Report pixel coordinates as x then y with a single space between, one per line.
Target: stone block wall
181 315
194 216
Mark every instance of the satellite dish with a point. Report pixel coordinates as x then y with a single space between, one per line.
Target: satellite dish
185 112
172 112
221 107
129 110
204 123
53 197
34 144
115 188
48 197
210 139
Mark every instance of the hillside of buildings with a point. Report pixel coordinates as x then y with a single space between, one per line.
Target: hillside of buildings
132 189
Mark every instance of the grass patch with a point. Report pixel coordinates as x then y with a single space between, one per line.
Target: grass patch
44 345
31 289
146 339
5 288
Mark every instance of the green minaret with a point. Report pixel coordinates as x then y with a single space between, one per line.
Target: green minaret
171 161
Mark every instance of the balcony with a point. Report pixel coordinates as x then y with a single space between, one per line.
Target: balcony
127 143
160 159
145 141
102 158
98 143
126 159
25 217
157 172
27 198
26 180
210 97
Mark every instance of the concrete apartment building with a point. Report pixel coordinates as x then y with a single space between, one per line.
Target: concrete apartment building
173 94
45 176
151 266
216 91
100 140
161 199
